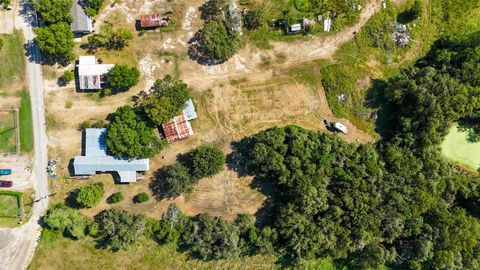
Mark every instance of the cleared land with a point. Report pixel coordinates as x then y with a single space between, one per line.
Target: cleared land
12 63
457 148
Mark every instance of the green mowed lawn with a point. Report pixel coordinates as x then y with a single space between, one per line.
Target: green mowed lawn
12 59
26 124
7 132
456 147
9 205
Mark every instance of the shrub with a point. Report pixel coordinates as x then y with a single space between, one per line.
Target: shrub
205 161
68 76
141 198
90 195
115 198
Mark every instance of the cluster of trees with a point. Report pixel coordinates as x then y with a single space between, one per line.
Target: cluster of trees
219 39
131 135
173 180
110 38
55 40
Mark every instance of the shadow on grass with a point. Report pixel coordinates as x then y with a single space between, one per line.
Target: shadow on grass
471 126
375 99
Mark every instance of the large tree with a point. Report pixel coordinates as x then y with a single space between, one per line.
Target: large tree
217 43
166 99
121 78
54 11
118 229
171 181
130 135
56 41
205 161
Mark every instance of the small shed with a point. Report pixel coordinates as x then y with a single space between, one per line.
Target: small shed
177 129
153 21
189 110
81 23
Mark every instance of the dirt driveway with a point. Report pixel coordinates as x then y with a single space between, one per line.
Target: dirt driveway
6 21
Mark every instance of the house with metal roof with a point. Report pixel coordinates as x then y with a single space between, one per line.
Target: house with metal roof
189 110
81 23
179 127
96 159
91 75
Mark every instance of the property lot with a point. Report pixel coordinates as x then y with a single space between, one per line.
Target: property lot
9 204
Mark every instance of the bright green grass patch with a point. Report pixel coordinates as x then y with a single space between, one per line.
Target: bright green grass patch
10 203
11 59
26 123
457 147
7 132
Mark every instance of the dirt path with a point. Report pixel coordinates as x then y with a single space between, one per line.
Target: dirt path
324 47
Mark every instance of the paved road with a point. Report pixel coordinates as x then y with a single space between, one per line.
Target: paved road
17 246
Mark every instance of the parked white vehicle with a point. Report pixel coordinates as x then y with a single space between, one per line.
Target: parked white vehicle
340 127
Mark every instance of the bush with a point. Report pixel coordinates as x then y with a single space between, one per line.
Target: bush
115 198
90 195
205 161
216 43
141 198
68 76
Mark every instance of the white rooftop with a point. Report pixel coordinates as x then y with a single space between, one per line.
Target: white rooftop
87 66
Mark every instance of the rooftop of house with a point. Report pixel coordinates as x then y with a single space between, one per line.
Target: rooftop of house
87 66
81 22
153 20
177 129
189 110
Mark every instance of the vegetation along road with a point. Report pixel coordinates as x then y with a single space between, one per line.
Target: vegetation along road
21 242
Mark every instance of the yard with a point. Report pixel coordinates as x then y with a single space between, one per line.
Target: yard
15 207
7 132
12 62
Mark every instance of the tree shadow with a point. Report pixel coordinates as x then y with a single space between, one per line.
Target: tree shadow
158 187
197 53
375 99
238 159
471 126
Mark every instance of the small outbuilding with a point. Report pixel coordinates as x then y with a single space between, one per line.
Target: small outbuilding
340 127
177 129
153 21
296 27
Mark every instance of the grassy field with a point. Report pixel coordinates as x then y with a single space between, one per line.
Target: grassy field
26 124
82 254
7 132
457 148
11 60
11 204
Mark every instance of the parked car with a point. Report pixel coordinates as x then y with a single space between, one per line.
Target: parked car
5 171
6 183
340 127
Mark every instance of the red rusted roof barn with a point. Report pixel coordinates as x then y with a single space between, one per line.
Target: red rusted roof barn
153 20
177 129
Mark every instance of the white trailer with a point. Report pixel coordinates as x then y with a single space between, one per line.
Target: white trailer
340 127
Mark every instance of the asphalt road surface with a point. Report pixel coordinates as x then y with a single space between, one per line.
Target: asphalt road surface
17 246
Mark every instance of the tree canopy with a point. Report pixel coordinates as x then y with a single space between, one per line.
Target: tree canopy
131 136
166 99
66 220
217 43
54 11
110 38
171 181
56 41
118 229
89 195
121 78
205 161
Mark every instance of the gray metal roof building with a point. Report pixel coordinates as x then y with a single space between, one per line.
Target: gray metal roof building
81 23
97 160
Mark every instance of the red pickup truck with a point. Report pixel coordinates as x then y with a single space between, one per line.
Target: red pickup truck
4 183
